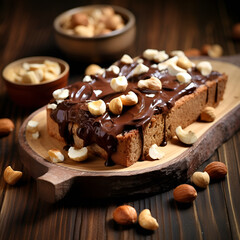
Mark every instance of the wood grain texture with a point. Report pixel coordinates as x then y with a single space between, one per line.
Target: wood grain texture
26 30
176 167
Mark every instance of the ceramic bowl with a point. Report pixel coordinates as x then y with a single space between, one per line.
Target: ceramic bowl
32 95
106 47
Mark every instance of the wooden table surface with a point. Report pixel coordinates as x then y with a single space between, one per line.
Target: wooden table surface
26 30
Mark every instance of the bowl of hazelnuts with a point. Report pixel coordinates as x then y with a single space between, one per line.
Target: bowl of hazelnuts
95 33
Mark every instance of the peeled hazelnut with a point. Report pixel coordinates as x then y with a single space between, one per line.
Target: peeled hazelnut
200 179
114 21
84 31
160 56
6 126
152 83
184 193
87 78
216 170
208 114
10 176
178 53
155 152
146 220
78 155
130 99
115 69
116 106
119 84
186 137
92 69
55 155
125 215
204 67
97 108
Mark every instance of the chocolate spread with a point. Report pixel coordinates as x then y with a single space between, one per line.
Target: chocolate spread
104 129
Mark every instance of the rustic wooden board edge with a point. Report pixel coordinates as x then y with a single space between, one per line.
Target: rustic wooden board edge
54 181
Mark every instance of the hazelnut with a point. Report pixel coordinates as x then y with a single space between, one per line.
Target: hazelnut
192 52
236 31
55 156
116 106
173 69
78 155
204 67
119 84
97 108
92 69
79 18
6 126
152 83
130 99
125 215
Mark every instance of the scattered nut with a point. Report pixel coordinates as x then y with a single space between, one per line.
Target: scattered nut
125 215
200 179
160 56
55 156
236 31
116 106
208 114
32 126
184 77
119 84
92 69
140 69
184 193
155 152
204 67
146 220
97 108
192 52
78 155
149 54
186 137
10 176
126 59
216 170
152 83
6 126
215 51
178 53
173 69
130 99
33 73
164 65
61 94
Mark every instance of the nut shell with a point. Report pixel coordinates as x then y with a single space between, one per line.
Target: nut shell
6 126
125 215
216 170
184 193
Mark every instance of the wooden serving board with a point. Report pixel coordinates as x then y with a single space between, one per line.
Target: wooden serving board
92 179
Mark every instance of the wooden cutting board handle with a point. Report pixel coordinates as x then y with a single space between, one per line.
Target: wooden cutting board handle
54 185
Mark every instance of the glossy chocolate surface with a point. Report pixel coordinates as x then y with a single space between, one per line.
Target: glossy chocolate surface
104 129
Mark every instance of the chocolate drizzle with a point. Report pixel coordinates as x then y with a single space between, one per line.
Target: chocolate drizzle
104 129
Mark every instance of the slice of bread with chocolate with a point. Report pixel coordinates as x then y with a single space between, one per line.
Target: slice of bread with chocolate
120 112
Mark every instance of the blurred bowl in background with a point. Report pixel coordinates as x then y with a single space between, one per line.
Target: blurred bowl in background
32 95
98 48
